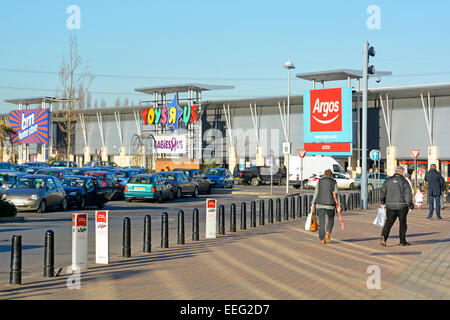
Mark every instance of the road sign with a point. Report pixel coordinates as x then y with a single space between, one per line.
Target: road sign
301 153
375 155
286 148
102 237
415 153
211 205
79 240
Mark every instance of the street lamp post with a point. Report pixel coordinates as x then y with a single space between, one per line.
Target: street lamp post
288 65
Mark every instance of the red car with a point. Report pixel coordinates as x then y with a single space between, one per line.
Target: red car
107 178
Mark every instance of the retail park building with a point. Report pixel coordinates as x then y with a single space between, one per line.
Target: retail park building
176 128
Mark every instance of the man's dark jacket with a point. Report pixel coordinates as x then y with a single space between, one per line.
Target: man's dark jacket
436 183
396 193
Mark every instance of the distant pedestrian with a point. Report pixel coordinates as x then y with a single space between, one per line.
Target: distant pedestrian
436 185
396 198
324 204
419 199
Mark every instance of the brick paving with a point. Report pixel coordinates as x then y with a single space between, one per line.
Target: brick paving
276 261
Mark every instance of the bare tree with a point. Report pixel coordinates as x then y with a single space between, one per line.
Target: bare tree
88 100
103 103
75 80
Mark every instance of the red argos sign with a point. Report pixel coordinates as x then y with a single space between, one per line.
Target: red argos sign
326 110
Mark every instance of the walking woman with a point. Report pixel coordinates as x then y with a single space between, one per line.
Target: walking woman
325 205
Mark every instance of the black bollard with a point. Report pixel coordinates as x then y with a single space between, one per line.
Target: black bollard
222 219
147 234
299 206
180 227
286 208
310 198
165 230
49 254
15 275
305 205
261 212
292 207
270 212
344 202
195 226
126 249
243 216
253 214
233 218
278 210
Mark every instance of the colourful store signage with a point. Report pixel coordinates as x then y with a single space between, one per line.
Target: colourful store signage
31 126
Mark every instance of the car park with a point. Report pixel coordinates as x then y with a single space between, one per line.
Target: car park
83 191
204 184
148 187
220 177
375 180
63 163
180 183
56 172
343 181
263 175
36 193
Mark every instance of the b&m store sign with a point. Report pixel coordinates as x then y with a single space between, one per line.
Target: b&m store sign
170 115
31 126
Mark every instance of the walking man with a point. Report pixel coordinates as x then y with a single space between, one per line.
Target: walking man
325 205
396 197
436 184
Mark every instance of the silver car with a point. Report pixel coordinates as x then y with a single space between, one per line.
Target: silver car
36 193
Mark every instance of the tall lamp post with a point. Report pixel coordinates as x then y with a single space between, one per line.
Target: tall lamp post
288 65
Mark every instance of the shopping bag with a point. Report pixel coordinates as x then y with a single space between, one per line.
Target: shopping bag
381 217
308 222
314 225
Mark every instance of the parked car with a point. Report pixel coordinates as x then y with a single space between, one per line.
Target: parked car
80 171
125 174
204 184
263 175
180 183
36 164
374 180
148 187
83 191
36 193
20 168
107 179
237 174
343 181
99 163
8 178
63 163
31 170
7 166
56 172
220 177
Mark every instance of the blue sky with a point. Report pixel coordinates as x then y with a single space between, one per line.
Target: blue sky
241 43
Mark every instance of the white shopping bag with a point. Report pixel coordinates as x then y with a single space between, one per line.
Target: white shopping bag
381 217
308 222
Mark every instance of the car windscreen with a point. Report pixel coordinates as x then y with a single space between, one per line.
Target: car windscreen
186 172
73 182
6 178
30 183
215 172
49 172
140 180
121 174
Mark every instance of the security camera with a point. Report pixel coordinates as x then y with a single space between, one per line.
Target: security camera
378 79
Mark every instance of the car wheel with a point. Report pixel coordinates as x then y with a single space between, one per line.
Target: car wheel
179 193
195 192
305 184
282 181
82 204
63 205
254 182
42 207
296 186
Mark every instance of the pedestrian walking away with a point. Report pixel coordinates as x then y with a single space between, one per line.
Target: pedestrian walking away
396 198
436 185
325 205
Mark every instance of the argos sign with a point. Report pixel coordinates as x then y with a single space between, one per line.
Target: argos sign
327 118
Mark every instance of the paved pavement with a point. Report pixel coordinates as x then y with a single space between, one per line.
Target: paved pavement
276 261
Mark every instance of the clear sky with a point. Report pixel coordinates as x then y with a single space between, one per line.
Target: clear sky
136 43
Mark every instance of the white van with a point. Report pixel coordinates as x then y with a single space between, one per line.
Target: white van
311 165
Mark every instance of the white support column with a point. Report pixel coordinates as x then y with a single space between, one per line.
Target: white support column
391 151
122 149
232 154
104 156
259 149
433 151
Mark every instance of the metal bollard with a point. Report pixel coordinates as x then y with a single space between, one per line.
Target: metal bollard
49 254
15 275
261 213
233 218
147 234
344 202
126 248
292 207
278 210
299 206
243 216
310 198
305 205
195 226
165 230
286 209
253 214
222 219
270 212
180 227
